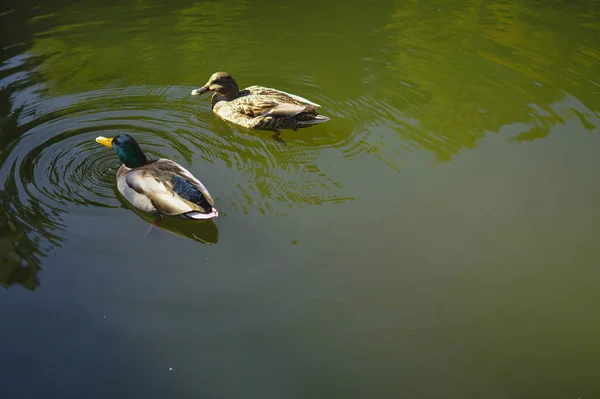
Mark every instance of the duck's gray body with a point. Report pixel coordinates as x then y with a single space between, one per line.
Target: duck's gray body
164 187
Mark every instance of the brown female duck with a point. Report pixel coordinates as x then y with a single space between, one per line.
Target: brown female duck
259 108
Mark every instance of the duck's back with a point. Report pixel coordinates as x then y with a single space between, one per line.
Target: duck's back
278 95
259 107
166 187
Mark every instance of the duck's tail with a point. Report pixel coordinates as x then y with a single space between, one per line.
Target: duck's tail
202 216
316 120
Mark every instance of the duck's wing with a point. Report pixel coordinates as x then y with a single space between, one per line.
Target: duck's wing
282 95
182 172
172 189
259 105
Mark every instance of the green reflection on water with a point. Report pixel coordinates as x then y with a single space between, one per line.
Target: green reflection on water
435 76
394 278
438 75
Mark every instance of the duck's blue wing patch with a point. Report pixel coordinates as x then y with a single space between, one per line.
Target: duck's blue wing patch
188 191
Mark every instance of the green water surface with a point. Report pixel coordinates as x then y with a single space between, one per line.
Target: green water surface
438 238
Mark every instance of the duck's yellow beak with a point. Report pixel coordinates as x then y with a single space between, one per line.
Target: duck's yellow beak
104 141
197 92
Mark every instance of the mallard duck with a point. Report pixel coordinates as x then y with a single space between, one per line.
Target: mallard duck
259 108
159 186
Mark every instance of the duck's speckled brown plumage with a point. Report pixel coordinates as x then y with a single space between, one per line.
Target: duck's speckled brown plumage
258 107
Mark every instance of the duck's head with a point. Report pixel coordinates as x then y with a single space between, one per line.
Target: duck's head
221 83
127 149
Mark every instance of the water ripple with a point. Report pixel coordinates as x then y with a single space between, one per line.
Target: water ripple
54 164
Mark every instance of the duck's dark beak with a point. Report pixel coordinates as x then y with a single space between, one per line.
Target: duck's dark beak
197 92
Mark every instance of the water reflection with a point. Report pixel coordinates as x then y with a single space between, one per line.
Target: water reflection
28 232
441 75
432 76
19 253
204 231
485 69
438 91
23 226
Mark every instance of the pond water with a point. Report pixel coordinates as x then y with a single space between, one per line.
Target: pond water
438 238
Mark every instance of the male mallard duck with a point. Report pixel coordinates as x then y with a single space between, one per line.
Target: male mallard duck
259 108
159 186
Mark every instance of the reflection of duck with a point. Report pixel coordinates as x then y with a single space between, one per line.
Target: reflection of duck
161 186
259 108
205 232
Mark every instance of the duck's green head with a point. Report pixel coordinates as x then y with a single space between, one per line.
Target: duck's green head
221 83
127 149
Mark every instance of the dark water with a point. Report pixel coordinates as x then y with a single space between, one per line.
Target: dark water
437 239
